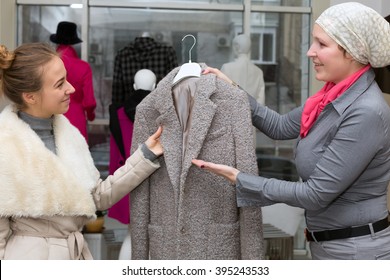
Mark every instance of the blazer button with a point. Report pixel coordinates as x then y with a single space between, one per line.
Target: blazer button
182 230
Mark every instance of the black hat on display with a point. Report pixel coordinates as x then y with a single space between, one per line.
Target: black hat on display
66 34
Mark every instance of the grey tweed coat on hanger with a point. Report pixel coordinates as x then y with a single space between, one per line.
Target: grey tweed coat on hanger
181 211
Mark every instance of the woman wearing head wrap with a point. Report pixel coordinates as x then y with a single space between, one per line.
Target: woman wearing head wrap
343 149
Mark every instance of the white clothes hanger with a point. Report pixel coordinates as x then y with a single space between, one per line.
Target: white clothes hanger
189 69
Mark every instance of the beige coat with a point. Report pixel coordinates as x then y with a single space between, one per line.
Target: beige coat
47 198
181 211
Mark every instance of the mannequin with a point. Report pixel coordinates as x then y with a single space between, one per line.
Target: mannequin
121 126
145 34
144 83
142 53
144 79
82 102
243 71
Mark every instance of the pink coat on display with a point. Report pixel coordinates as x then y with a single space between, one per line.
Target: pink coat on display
82 102
121 211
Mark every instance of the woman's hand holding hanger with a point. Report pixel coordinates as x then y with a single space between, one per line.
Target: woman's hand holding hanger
219 74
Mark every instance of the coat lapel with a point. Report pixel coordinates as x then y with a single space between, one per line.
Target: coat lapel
202 117
171 141
172 137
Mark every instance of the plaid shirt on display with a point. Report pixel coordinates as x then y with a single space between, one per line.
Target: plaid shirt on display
143 53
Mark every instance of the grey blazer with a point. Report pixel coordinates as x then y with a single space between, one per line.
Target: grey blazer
181 211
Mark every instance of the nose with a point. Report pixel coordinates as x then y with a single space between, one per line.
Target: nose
311 52
70 89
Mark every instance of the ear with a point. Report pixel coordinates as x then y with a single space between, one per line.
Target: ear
348 56
135 86
154 86
29 98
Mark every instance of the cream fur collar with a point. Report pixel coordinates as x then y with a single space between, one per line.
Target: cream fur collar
34 181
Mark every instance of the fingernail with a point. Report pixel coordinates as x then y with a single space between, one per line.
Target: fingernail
202 166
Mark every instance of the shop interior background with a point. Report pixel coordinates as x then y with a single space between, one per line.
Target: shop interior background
280 36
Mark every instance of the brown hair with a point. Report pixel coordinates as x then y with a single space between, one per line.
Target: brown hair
21 70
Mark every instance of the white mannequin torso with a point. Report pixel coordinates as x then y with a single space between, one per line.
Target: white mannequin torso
243 71
247 75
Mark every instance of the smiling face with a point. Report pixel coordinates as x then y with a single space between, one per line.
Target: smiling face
54 96
331 62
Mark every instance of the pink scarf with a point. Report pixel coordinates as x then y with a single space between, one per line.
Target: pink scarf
316 103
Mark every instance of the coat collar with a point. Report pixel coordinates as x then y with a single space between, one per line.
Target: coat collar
67 51
202 117
35 181
351 94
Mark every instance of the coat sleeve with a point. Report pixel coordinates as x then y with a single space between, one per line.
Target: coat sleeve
251 231
136 169
139 197
274 125
4 234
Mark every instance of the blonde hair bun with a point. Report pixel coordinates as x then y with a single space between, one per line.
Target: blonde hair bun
6 57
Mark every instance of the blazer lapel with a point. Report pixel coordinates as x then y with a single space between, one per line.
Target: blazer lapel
172 143
171 138
202 117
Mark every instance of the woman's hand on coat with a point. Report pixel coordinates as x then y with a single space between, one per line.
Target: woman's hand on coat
225 171
218 73
153 142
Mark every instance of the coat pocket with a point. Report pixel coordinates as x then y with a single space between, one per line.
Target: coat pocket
217 133
224 242
161 243
384 256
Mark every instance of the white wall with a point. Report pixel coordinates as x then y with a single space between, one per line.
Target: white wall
8 23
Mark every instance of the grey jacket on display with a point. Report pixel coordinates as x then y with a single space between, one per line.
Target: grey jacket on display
182 212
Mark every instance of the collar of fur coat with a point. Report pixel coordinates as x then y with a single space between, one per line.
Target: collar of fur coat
35 181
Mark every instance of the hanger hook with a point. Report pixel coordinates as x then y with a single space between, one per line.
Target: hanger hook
193 45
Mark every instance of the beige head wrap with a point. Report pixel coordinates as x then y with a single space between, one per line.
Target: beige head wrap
360 30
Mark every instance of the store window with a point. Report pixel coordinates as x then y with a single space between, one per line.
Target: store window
37 22
111 29
279 42
263 46
279 32
292 3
